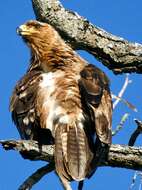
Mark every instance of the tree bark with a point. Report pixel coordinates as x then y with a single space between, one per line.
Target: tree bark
119 155
114 52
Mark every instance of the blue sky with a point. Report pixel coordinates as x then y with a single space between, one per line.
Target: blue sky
121 18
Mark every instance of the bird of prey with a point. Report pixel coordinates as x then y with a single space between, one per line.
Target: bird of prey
62 99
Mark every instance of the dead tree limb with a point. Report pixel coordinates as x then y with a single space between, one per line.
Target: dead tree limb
136 133
36 176
120 94
119 155
117 54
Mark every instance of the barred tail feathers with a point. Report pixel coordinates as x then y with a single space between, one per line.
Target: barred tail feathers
72 152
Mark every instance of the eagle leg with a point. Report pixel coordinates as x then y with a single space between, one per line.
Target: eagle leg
80 185
65 183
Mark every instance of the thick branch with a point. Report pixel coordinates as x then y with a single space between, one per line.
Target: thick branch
117 54
30 149
119 155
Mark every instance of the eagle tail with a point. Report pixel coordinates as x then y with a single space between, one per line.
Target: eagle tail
72 152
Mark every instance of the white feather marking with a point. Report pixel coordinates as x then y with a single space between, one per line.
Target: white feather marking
58 111
49 120
32 110
47 87
47 80
22 95
64 119
26 121
80 125
77 77
64 144
69 93
80 116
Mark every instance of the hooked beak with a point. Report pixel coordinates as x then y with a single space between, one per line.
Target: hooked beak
18 30
22 30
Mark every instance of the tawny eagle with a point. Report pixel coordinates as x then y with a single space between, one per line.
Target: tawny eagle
62 99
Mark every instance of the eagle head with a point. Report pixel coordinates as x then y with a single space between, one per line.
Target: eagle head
38 35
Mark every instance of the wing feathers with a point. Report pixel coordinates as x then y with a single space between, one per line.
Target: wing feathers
94 86
22 105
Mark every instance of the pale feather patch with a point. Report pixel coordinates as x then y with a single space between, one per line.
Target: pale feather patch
47 80
77 77
32 110
64 144
47 87
80 125
58 111
26 121
65 119
22 95
69 93
80 116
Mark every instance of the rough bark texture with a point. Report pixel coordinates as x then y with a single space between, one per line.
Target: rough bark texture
119 155
117 54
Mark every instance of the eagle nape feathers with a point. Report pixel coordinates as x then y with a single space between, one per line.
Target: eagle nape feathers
62 99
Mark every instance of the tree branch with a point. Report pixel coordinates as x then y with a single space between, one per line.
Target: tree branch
121 124
136 133
117 54
36 176
30 149
123 89
119 155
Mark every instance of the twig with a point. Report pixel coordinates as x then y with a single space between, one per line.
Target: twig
136 133
121 124
117 54
119 155
35 177
136 175
123 89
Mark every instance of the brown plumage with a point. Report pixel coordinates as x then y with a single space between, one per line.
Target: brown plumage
63 100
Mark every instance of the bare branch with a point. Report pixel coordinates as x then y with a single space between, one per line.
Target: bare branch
30 149
35 177
136 175
119 155
121 124
117 54
120 94
124 157
136 133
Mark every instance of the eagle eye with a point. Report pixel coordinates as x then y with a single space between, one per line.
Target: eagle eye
34 25
37 25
